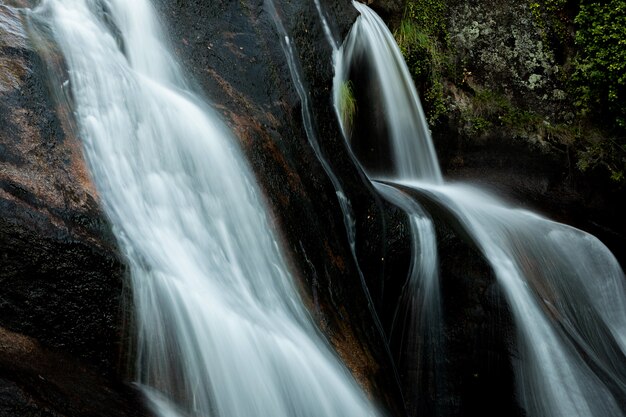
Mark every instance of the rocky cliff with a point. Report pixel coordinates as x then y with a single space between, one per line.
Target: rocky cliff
522 98
61 277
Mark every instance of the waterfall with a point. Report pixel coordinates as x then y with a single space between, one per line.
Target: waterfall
413 153
566 290
567 295
221 329
418 316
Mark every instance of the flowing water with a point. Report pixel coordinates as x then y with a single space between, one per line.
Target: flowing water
311 134
567 295
566 290
221 330
418 317
412 150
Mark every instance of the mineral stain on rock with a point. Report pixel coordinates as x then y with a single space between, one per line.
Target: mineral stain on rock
62 278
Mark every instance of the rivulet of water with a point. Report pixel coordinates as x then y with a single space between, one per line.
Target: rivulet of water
418 316
221 330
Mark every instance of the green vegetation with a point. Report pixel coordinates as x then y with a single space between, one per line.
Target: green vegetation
600 74
428 15
347 105
423 39
551 17
487 110
599 83
588 42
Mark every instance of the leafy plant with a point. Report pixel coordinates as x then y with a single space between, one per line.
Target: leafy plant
600 75
599 83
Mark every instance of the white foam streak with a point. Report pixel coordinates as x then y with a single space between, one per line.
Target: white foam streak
421 298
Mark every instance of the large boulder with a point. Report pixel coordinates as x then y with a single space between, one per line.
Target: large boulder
61 277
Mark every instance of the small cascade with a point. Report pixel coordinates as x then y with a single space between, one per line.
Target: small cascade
418 317
413 154
565 289
567 295
221 329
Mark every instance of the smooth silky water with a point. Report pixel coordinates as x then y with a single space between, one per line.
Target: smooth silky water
416 325
220 328
409 136
565 289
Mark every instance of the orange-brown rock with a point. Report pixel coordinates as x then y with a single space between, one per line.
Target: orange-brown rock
61 277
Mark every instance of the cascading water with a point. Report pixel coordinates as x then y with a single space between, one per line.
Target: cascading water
412 150
567 295
221 330
418 316
566 290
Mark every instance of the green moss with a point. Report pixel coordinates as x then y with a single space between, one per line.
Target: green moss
604 154
490 103
437 103
347 105
417 48
551 18
428 15
423 38
478 125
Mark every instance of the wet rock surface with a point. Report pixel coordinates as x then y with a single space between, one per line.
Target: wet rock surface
389 10
36 381
472 374
233 51
546 182
61 277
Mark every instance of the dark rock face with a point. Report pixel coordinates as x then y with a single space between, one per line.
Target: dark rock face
35 381
471 372
547 182
390 10
61 277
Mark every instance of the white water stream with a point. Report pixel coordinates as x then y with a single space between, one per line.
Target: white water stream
221 330
566 290
412 150
418 316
